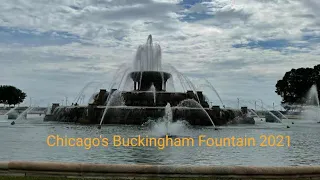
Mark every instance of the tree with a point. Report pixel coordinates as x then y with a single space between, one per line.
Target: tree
11 95
295 84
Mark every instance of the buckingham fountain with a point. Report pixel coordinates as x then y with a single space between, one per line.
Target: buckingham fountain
146 92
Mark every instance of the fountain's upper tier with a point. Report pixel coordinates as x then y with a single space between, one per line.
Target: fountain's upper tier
147 70
145 79
148 57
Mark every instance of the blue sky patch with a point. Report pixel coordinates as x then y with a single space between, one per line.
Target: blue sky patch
268 44
192 17
280 44
10 35
311 39
189 3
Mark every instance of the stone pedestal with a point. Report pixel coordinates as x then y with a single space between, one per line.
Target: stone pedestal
143 80
216 110
54 106
91 112
101 96
244 110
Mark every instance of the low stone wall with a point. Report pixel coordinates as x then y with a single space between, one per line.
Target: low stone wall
141 171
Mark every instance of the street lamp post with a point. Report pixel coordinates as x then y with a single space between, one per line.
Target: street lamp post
238 103
261 104
255 105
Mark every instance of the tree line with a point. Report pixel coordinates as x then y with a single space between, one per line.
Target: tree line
296 83
11 95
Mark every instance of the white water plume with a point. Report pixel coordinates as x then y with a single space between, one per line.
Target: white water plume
313 97
148 57
165 125
154 93
311 110
49 108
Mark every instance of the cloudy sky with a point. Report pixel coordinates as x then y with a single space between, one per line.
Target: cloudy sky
52 48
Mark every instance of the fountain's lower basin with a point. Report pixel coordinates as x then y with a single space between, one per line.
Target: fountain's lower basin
136 115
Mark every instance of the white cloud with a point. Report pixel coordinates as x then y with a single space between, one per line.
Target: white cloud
108 33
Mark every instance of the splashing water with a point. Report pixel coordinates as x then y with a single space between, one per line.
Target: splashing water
92 98
191 103
11 110
154 93
48 111
82 91
312 109
176 74
148 57
313 97
24 113
285 117
273 115
209 85
185 79
114 99
165 125
253 112
168 117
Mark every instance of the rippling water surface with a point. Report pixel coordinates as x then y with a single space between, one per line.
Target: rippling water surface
26 140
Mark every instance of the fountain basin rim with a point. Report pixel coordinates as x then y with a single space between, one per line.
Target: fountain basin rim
65 167
141 107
